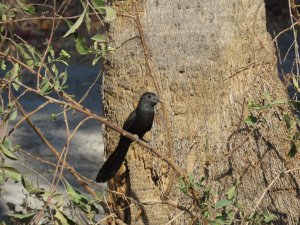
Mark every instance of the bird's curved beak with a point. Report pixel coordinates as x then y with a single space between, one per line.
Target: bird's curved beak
157 99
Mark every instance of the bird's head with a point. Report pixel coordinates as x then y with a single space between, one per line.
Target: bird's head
150 98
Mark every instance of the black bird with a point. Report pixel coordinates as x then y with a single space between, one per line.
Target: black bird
139 122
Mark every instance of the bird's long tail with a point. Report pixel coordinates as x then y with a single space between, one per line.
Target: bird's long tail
114 161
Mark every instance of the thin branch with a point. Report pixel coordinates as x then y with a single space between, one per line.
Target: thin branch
57 17
76 106
280 175
37 158
27 116
55 182
95 12
14 60
56 153
63 153
169 137
174 204
48 45
90 87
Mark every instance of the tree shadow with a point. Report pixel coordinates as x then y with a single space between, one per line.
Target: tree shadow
143 214
278 20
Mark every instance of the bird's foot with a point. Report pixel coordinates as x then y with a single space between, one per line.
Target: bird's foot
136 138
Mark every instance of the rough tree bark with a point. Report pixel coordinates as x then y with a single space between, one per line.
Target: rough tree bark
210 59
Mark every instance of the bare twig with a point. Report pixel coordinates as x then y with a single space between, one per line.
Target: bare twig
48 45
56 153
280 175
76 106
95 12
57 18
37 158
14 60
27 116
169 137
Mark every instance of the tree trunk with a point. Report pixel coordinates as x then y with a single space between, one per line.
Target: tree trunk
210 59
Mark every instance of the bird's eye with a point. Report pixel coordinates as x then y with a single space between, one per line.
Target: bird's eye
149 96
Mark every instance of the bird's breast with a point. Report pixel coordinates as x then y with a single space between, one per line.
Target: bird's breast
144 122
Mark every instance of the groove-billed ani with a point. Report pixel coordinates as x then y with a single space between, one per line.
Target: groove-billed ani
139 122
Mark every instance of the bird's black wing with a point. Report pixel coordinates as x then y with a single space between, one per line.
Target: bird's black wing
130 121
114 161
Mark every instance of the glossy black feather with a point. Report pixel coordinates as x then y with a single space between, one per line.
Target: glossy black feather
138 122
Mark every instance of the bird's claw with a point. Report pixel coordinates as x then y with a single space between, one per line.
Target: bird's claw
137 138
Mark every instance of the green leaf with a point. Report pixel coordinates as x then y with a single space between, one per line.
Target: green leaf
81 46
3 65
279 102
74 196
287 120
56 84
54 70
6 12
254 105
34 54
295 137
16 86
62 218
69 23
12 173
231 193
219 221
2 177
98 3
251 120
80 200
64 77
96 60
293 150
7 75
14 114
45 86
223 203
53 117
20 216
267 96
7 143
87 21
29 9
8 153
77 23
51 51
269 217
295 82
99 38
30 188
295 105
28 59
111 14
15 71
15 76
64 53
55 196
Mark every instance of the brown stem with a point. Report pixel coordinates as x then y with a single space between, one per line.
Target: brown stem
166 116
55 152
14 60
76 106
48 45
27 116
